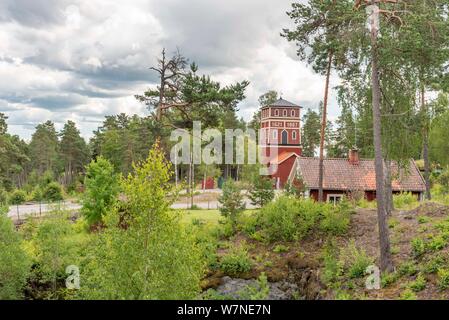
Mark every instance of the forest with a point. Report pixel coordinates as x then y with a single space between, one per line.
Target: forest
129 239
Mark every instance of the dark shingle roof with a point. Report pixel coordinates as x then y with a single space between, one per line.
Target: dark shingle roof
339 174
283 103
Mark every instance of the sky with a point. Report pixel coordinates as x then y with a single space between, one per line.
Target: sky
80 60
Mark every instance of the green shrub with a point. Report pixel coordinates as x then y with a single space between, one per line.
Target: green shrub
236 261
418 284
388 279
14 262
407 268
404 200
423 219
443 278
155 257
408 294
437 243
335 220
288 219
280 248
258 291
261 191
53 192
418 247
3 197
102 188
434 264
232 203
333 268
17 197
355 260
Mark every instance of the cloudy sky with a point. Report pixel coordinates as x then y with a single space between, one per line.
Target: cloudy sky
83 59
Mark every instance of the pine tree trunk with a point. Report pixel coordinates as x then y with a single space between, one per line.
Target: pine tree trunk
425 144
389 207
323 130
384 240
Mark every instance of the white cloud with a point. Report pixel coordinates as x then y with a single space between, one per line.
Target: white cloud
81 60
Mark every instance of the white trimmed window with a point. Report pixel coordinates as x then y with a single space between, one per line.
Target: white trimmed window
293 113
276 112
294 135
285 113
334 198
275 134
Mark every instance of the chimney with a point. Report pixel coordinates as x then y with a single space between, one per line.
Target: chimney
353 156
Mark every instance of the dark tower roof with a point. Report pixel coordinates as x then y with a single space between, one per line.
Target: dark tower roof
283 103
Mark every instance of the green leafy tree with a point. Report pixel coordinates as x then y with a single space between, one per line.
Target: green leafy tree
53 192
14 263
102 187
261 191
73 151
310 133
17 198
55 247
231 201
44 148
145 252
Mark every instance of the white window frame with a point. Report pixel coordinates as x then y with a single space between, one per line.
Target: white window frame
275 134
294 135
276 112
335 196
285 112
293 113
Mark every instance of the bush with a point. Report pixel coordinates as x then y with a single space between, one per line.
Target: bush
261 191
280 248
53 192
355 260
232 203
333 269
418 247
404 200
236 261
443 180
258 291
146 253
288 219
335 220
418 284
17 197
437 243
102 188
434 264
443 278
3 197
407 268
407 294
14 263
55 248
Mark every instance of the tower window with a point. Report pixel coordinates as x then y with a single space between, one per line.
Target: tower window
293 113
285 113
294 135
275 134
276 112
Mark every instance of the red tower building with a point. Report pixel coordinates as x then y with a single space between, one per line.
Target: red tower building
280 128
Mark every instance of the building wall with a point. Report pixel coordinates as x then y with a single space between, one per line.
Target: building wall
283 171
369 195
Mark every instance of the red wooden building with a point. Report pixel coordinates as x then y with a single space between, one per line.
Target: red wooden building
344 177
281 136
281 143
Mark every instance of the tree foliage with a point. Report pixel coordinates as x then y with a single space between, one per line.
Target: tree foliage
145 253
101 190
